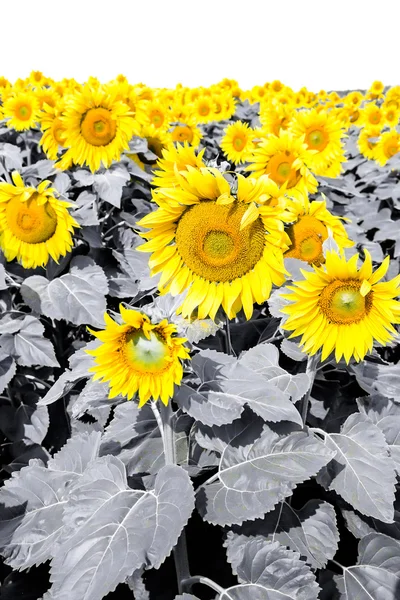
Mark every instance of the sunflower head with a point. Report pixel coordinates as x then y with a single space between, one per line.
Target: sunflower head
311 225
34 224
139 357
21 110
223 246
342 308
237 142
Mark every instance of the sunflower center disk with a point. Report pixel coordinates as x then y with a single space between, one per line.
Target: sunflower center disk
238 143
316 140
307 237
343 304
209 240
29 222
147 355
280 169
182 134
24 112
98 127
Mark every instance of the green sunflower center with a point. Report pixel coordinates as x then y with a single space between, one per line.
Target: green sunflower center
316 139
343 304
147 355
98 128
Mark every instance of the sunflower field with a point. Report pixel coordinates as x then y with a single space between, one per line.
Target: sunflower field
199 359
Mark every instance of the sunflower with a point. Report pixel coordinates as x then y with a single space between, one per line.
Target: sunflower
387 146
225 249
237 142
275 118
372 115
203 109
284 158
186 131
97 127
323 133
157 140
391 116
376 90
153 112
176 159
34 224
53 131
311 225
340 307
22 111
367 141
140 357
353 99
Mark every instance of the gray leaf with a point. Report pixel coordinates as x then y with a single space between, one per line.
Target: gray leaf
377 573
77 297
32 515
252 479
211 408
109 184
85 211
112 530
361 468
76 454
273 572
311 531
36 428
28 345
3 283
7 369
292 350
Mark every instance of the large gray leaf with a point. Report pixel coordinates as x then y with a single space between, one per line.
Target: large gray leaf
362 468
27 344
384 379
311 531
32 504
377 573
227 385
76 454
268 571
112 530
186 597
386 415
77 297
253 478
134 436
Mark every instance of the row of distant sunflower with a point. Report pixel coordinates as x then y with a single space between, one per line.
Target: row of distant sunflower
92 124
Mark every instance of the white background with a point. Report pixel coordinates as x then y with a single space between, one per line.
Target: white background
334 44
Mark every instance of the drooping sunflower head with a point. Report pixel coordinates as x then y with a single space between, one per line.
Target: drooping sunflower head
97 127
237 142
34 224
367 142
311 225
21 111
157 141
139 357
323 134
221 246
341 308
283 158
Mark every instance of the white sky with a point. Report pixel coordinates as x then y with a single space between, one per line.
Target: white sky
323 44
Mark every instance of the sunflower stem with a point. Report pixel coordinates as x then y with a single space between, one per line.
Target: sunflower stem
180 550
229 349
191 581
311 371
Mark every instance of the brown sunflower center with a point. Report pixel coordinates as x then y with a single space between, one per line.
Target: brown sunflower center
343 304
98 128
316 139
307 236
280 169
146 355
30 222
210 242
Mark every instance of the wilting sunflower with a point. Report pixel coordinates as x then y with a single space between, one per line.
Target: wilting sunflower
224 249
34 224
311 225
387 146
21 111
179 158
323 133
237 142
340 307
138 356
283 158
97 127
